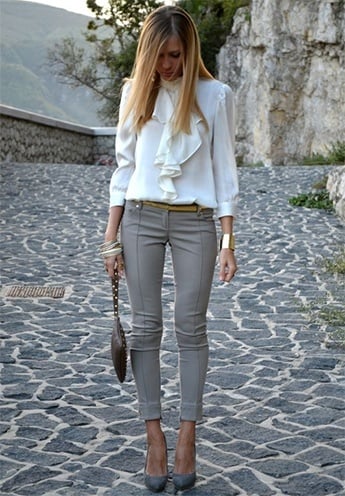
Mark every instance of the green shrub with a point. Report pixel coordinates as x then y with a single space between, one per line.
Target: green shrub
319 199
337 153
335 265
335 156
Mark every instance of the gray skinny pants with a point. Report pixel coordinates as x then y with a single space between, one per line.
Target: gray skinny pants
192 237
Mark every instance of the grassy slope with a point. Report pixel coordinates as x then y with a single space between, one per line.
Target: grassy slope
27 31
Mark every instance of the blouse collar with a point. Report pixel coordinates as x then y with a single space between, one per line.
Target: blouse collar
171 85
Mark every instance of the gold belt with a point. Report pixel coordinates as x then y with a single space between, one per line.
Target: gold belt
174 208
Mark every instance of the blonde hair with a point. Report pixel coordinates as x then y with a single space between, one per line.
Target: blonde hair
158 27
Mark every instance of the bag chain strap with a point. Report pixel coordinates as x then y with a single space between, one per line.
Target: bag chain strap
115 286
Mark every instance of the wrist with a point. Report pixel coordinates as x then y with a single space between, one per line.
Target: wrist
110 235
227 241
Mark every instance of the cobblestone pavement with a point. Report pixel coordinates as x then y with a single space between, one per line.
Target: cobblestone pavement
274 399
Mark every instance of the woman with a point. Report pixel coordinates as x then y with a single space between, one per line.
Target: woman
176 169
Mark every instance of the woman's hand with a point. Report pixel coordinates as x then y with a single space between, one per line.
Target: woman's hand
228 265
116 261
112 263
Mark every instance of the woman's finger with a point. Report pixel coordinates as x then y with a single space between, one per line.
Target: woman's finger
119 264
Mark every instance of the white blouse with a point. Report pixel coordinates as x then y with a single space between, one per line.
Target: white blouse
200 167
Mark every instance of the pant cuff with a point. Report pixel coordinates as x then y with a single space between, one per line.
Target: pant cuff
150 412
191 412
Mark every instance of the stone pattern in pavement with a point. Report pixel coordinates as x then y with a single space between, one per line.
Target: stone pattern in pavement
274 399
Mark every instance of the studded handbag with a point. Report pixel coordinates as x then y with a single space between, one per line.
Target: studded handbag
118 337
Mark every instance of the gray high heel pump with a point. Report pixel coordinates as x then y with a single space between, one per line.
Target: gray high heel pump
156 483
184 481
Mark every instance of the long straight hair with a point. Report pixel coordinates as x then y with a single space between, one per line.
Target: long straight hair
158 27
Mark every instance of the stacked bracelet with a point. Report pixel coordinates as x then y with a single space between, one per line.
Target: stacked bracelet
110 248
227 241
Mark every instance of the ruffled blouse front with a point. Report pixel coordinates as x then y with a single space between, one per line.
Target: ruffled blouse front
159 165
174 149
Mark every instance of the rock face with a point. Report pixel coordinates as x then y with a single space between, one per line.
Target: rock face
336 189
285 60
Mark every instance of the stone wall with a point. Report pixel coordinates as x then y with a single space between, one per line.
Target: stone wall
32 138
285 60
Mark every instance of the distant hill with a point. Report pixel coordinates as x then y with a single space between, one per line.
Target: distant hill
27 31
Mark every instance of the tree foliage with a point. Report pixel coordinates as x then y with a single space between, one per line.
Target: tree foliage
113 35
124 17
214 21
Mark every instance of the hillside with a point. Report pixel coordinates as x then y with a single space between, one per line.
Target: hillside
28 30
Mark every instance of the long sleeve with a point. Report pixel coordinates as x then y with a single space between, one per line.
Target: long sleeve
223 155
125 156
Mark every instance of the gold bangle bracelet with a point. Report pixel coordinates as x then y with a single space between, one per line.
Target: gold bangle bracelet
112 252
108 245
227 241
